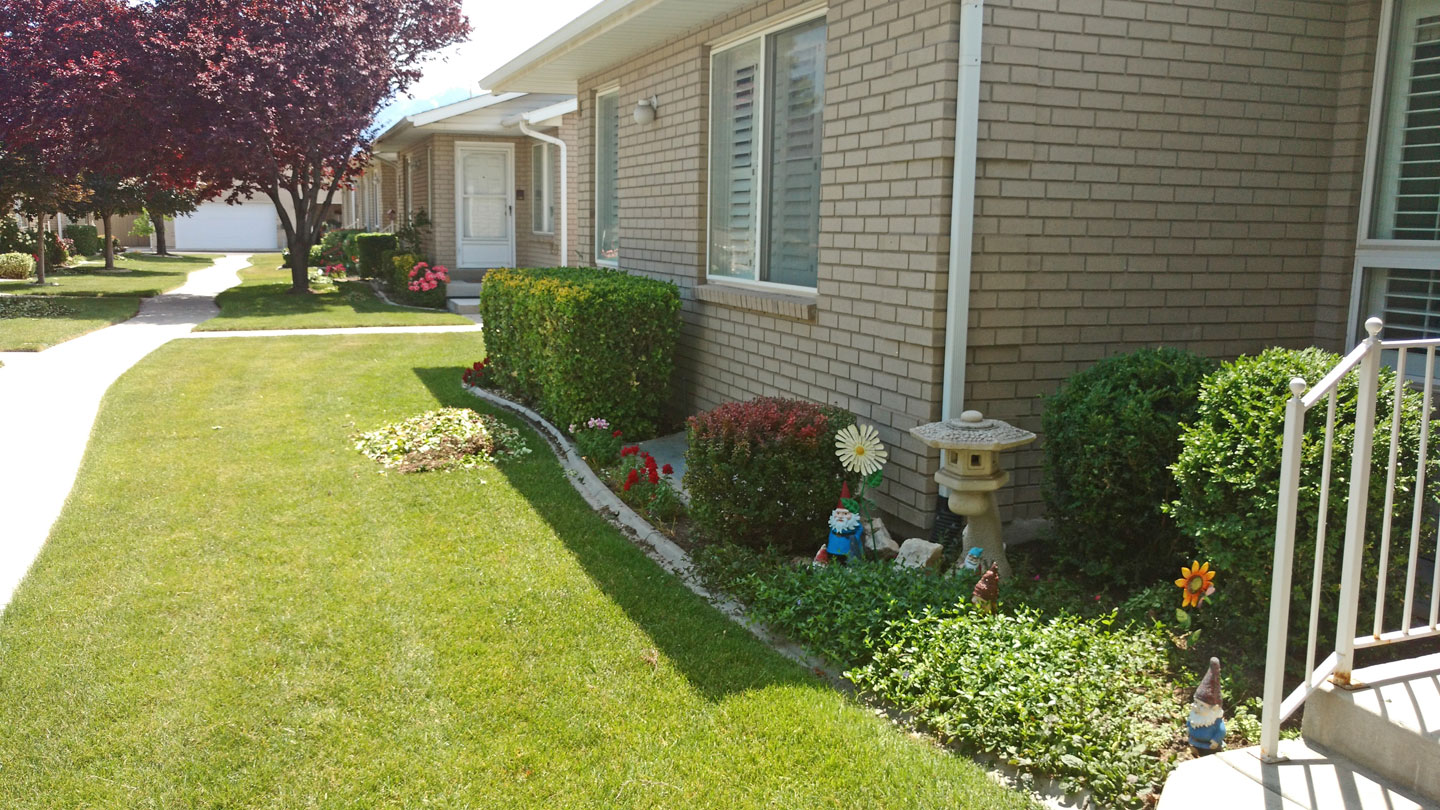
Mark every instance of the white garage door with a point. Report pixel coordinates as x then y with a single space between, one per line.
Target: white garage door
217 226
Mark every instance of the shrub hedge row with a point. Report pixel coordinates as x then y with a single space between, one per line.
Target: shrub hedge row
581 343
86 238
371 248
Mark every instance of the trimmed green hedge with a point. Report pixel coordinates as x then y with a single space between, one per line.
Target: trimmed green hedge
86 238
372 247
1111 434
581 343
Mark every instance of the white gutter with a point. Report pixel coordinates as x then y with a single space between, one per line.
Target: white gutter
962 210
563 226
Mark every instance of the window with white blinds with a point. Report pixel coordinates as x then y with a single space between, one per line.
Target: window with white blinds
542 186
1407 200
766 115
607 178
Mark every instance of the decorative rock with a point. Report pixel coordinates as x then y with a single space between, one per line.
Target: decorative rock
917 553
881 543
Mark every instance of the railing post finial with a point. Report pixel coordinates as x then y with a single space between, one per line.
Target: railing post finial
1298 386
1373 326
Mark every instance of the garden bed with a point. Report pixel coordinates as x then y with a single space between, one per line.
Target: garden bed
766 593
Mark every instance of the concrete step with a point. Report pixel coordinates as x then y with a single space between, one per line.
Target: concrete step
464 306
1308 778
463 289
1390 724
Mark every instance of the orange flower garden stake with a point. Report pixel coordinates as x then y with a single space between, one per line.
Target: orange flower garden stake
1195 580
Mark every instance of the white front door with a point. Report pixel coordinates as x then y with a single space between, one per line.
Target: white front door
485 211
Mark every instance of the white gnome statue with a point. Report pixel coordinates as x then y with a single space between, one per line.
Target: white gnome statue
1206 724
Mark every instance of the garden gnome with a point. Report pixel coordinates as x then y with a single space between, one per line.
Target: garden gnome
845 534
1206 724
972 560
987 590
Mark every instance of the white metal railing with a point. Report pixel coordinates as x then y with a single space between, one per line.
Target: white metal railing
1364 361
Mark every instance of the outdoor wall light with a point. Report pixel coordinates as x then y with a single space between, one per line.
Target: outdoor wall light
645 110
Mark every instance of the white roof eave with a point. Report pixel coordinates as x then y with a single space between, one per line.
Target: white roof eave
612 32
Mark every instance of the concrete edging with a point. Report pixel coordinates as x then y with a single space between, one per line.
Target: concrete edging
674 559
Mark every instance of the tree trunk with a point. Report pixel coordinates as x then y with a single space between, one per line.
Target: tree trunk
159 223
109 246
40 254
299 264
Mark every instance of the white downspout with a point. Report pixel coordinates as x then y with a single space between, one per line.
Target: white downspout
563 225
962 209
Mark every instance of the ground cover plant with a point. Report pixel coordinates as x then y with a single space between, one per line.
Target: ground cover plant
235 610
444 439
32 323
138 275
1022 685
262 302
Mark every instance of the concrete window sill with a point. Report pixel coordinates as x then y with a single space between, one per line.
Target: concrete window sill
795 307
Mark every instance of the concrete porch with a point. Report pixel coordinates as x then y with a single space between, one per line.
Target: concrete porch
1377 746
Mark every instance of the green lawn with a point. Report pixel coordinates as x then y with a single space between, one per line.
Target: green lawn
236 609
147 276
33 323
262 302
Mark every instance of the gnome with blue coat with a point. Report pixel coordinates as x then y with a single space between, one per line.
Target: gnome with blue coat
1206 724
846 534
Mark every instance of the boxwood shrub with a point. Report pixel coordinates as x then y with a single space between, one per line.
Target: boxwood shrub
1111 434
85 237
764 472
1228 477
16 266
371 249
580 343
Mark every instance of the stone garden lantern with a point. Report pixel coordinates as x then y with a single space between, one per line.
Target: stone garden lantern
970 468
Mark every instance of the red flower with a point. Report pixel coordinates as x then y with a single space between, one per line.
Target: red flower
649 462
617 434
629 451
632 479
668 470
654 476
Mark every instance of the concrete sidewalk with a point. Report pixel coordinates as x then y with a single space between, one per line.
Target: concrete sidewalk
335 330
48 403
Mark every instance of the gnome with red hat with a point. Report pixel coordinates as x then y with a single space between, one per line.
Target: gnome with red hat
1206 724
845 532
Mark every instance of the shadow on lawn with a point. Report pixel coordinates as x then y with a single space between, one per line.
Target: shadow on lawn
717 657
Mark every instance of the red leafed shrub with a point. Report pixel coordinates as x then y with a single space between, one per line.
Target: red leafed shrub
764 472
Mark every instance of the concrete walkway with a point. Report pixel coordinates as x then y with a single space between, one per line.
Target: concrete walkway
48 402
345 330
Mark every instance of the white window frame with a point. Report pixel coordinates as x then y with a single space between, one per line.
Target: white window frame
1373 256
547 181
613 90
762 31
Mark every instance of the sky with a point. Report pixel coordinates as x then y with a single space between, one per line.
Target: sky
500 31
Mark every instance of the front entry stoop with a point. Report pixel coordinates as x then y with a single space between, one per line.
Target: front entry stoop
1391 724
1309 778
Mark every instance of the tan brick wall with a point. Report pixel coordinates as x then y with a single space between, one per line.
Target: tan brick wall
1159 173
1149 172
874 345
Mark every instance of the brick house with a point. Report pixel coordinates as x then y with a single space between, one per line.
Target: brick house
910 207
476 157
